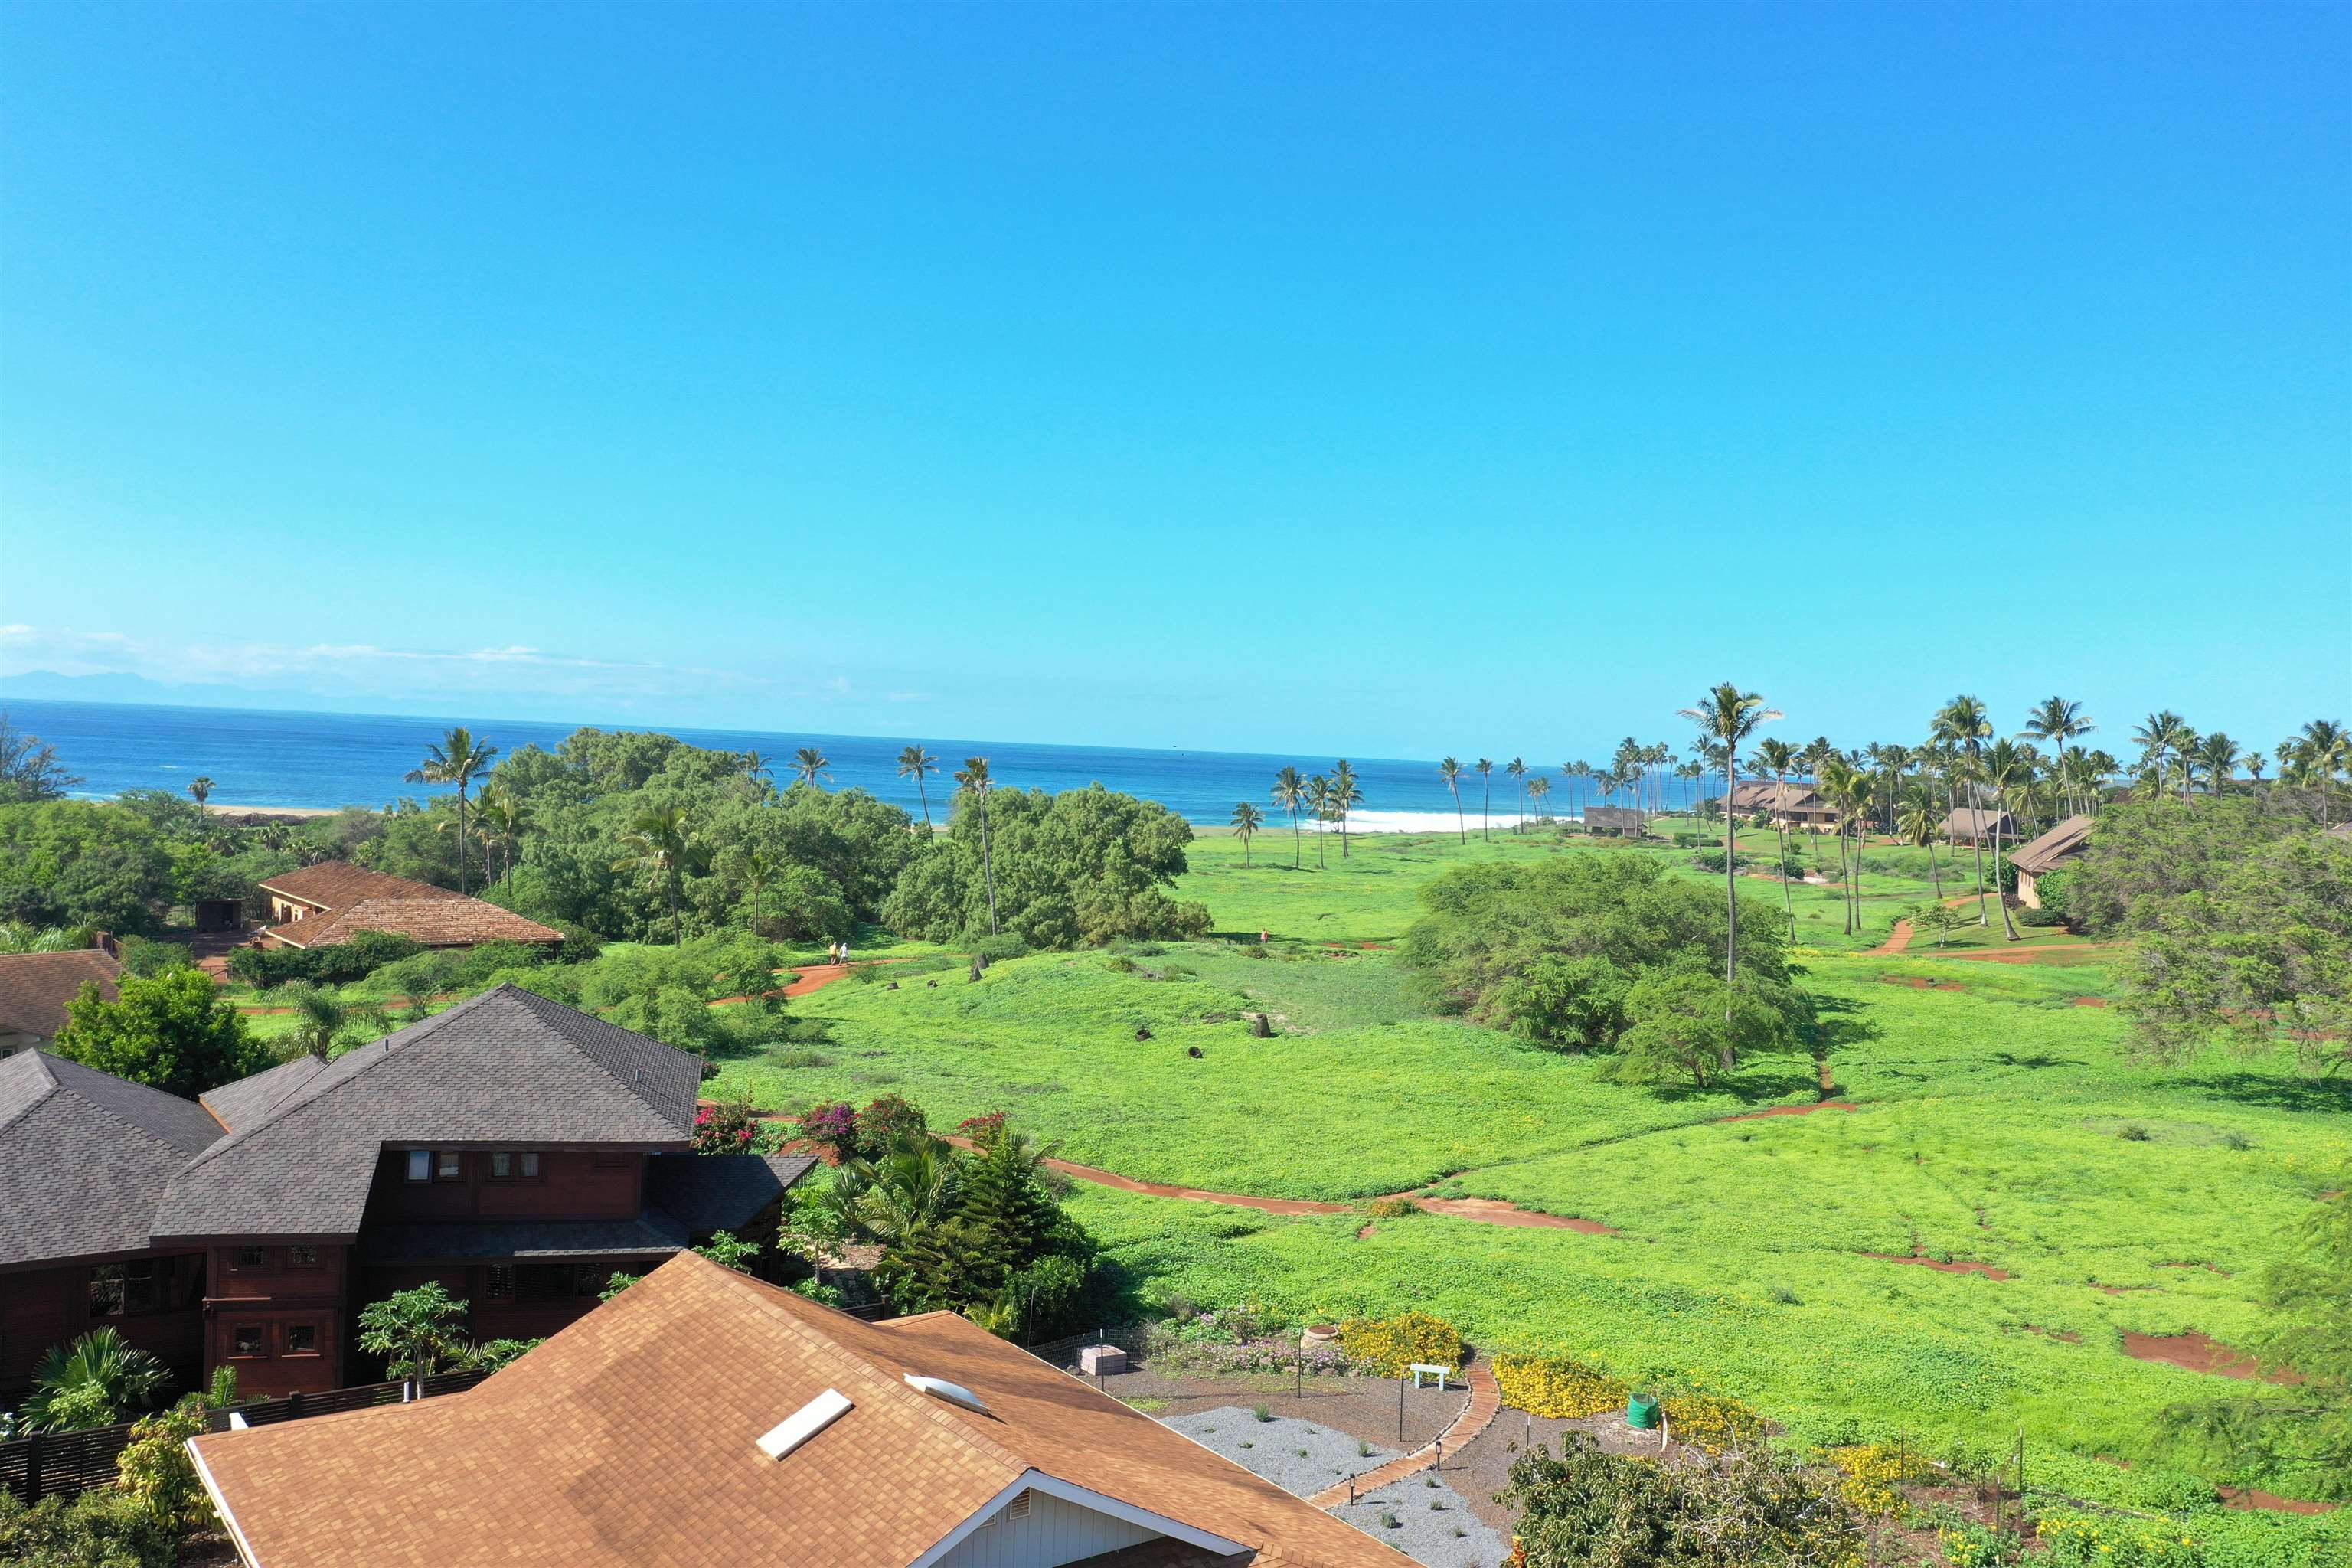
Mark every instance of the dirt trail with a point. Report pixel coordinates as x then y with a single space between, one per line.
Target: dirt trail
1899 939
1954 1266
2193 1351
815 977
1795 1109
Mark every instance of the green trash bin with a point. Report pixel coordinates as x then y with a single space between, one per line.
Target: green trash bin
1641 1410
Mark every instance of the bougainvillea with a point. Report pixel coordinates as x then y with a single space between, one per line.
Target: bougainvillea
728 1128
983 1131
833 1128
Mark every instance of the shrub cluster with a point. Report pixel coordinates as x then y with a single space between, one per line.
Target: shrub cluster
338 964
1713 1421
1388 1346
1557 1386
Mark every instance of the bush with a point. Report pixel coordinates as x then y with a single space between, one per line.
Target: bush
999 947
833 1127
885 1121
1388 1346
1557 1386
1393 1208
1754 1507
1713 1421
160 1474
2080 1541
148 958
96 1530
338 964
727 1128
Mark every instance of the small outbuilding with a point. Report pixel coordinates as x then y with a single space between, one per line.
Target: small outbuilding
2039 857
1619 821
1978 825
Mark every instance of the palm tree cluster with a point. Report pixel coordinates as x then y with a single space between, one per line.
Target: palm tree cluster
1325 798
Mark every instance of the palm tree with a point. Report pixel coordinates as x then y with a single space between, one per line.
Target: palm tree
459 759
322 1018
1246 820
1319 803
1776 757
2323 747
1572 772
2162 737
1345 797
1539 787
2004 767
202 788
504 816
757 766
1728 716
1485 768
1856 790
1917 819
757 867
2218 756
1964 725
659 842
811 764
2056 721
915 764
974 783
1290 795
1451 772
100 1380
1518 768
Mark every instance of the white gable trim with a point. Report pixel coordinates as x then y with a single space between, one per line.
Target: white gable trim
1038 1480
220 1505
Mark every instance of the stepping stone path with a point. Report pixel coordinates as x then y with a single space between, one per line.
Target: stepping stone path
1486 1403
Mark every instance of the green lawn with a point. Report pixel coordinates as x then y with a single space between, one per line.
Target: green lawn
2001 1122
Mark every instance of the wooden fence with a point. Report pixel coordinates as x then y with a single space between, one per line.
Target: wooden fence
62 1464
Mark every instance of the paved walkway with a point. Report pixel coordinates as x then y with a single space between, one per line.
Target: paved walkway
1486 1403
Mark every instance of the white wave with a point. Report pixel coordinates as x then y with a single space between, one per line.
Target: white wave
1421 821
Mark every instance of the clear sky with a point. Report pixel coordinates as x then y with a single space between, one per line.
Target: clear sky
1388 380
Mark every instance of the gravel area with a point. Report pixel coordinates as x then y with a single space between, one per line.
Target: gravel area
1359 1406
1300 1456
1434 1524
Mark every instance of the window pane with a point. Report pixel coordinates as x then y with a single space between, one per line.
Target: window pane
529 1163
420 1165
251 1257
106 1291
302 1339
139 1286
450 1167
501 1282
302 1258
248 1341
501 1164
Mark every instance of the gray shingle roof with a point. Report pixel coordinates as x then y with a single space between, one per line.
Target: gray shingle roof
720 1192
653 1234
242 1103
85 1156
507 1066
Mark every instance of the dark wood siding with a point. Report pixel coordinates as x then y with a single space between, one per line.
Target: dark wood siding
44 1307
572 1183
279 1320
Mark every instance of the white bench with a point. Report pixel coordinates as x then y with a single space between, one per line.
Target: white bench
1440 1373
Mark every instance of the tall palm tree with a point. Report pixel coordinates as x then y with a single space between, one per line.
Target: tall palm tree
915 764
810 764
1346 795
758 765
1485 768
2162 737
2217 754
1450 771
2056 721
658 843
202 788
504 816
1290 795
1246 821
1776 757
973 782
459 760
1916 820
1964 725
2004 767
1728 716
1574 772
1319 805
1517 768
1538 788
1857 789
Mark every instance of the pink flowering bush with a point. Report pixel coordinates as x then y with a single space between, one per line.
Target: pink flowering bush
729 1128
832 1127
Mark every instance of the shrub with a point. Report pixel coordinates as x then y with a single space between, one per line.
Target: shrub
885 1121
1754 1507
1713 1421
997 949
832 1127
1393 1208
159 1473
983 1129
97 1529
727 1128
337 963
148 958
1873 1472
2080 1541
1388 1345
1557 1386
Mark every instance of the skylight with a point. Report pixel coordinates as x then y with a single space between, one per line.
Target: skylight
953 1393
805 1423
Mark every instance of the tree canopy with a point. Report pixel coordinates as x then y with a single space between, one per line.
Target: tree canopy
174 1032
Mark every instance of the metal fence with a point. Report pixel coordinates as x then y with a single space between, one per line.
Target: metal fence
62 1463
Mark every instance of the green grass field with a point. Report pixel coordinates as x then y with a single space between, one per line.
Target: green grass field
2001 1121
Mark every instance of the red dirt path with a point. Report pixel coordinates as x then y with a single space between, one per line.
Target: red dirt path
1795 1109
2194 1352
1957 1266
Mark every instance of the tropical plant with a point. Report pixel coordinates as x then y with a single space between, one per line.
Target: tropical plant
200 787
1318 806
503 816
1777 757
1345 795
1517 768
459 759
415 1331
2056 722
1485 767
1964 725
1247 818
2005 769
1290 795
1450 770
915 764
1538 788
96 1381
974 784
1728 716
30 769
324 1023
658 843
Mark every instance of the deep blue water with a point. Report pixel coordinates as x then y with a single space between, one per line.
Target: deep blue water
268 758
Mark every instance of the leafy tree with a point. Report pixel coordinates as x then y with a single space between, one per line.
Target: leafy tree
325 1025
174 1032
30 770
2304 1430
1747 1506
1691 1025
415 1331
96 1381
457 760
914 762
1246 821
1727 717
656 843
729 1251
80 863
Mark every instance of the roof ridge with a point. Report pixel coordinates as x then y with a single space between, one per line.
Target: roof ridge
532 999
58 1086
40 1059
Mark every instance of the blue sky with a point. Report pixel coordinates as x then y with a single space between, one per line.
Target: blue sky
1393 380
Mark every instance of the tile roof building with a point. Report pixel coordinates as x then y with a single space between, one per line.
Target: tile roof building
515 1150
921 1441
35 987
1978 825
2037 857
335 900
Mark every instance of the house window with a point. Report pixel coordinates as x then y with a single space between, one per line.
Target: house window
500 1284
252 1257
420 1165
248 1341
106 1291
451 1168
302 1339
122 1289
506 1167
546 1283
302 1258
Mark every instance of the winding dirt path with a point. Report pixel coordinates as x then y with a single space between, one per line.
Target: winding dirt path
1899 940
1486 1404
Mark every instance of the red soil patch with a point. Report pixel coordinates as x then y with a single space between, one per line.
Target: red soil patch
1921 982
2090 1001
1795 1109
815 977
2194 1352
1495 1211
2248 1499
2034 954
1896 941
1365 1233
2209 1268
1955 1267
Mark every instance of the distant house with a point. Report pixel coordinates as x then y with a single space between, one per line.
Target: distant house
1621 821
35 987
517 1151
1975 825
2037 857
701 1415
335 900
1784 804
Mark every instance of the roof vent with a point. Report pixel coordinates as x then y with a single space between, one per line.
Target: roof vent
805 1423
953 1393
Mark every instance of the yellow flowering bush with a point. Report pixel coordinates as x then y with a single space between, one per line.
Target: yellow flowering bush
1393 1208
1873 1472
1388 1345
1713 1421
2090 1541
1557 1386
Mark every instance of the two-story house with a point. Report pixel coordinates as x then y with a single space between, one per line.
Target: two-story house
515 1150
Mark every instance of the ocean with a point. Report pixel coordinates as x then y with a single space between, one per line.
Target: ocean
264 758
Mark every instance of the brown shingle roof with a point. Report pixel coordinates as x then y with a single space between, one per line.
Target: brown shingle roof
1969 822
448 921
2036 856
615 1443
35 987
339 884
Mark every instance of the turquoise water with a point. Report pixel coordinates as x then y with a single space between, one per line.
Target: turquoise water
269 758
